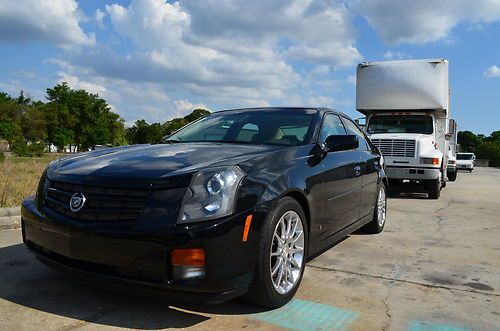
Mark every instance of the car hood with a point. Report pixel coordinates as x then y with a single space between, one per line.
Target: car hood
152 162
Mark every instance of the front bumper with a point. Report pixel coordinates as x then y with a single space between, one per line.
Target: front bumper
451 168
125 258
464 166
408 172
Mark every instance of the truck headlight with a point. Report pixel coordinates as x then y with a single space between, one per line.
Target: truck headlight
429 160
211 194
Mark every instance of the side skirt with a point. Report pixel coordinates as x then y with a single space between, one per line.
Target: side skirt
339 236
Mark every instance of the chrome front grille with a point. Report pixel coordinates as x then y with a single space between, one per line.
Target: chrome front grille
396 147
103 204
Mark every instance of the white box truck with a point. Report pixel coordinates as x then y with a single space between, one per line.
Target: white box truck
407 109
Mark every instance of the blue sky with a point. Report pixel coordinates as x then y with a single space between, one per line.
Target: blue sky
154 59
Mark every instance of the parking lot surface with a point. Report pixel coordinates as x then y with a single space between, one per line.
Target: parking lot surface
435 267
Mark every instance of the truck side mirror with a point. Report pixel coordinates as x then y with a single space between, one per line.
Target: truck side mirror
361 122
335 143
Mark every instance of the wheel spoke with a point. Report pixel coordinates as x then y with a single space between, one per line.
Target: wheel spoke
279 239
280 276
299 234
277 266
295 262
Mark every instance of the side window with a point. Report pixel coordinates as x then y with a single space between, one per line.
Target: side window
353 129
332 125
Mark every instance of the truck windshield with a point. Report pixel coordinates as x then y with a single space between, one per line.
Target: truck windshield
249 127
464 156
401 124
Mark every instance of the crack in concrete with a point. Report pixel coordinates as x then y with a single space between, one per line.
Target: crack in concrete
387 310
451 289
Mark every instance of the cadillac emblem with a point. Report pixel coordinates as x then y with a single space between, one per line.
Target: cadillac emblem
77 202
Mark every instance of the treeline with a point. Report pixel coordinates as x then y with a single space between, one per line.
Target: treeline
76 118
484 147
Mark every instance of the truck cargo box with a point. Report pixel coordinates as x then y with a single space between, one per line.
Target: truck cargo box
402 85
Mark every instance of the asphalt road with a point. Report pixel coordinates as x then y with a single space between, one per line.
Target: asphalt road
435 267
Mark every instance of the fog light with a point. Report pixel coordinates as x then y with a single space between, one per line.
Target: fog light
188 264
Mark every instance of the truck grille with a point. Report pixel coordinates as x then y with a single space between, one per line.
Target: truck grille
102 204
396 147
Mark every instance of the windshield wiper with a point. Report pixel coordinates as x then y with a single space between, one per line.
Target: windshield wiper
170 141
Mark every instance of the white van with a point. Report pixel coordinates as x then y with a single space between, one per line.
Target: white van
465 161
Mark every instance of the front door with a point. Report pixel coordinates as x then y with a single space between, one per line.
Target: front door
342 172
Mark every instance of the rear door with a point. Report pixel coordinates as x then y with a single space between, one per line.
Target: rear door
369 162
342 180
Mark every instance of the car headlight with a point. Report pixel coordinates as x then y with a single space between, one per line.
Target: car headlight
211 194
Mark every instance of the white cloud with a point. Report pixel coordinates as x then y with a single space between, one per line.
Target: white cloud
492 71
230 52
390 55
409 21
99 16
55 21
184 107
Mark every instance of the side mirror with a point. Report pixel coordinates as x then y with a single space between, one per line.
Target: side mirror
361 122
337 143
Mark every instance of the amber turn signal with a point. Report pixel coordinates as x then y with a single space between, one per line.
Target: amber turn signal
188 257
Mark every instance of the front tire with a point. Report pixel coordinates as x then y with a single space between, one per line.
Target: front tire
434 188
377 224
281 255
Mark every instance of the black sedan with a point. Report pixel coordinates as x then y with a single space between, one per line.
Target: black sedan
233 204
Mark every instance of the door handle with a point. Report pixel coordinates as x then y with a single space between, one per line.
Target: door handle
357 171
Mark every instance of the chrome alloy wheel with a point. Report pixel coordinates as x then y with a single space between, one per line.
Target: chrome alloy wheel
381 206
287 252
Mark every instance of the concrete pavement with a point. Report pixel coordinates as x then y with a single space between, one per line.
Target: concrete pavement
435 267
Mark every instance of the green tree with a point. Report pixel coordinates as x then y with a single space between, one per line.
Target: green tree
468 141
491 151
85 117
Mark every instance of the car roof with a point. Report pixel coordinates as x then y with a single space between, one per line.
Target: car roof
316 110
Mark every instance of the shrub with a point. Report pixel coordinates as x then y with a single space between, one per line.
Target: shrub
2 156
21 148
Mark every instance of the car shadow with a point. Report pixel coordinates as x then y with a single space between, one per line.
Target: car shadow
28 283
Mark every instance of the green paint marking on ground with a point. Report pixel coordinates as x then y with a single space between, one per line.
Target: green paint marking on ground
430 326
308 315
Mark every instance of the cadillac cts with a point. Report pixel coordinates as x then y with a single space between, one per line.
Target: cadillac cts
232 204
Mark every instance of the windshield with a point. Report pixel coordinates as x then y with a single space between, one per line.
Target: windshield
262 127
464 156
401 124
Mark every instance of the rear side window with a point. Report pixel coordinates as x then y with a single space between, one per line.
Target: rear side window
332 125
353 129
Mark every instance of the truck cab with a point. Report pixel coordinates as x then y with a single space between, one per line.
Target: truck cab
406 104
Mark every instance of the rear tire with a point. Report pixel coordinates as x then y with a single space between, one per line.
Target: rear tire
452 176
377 224
434 188
278 255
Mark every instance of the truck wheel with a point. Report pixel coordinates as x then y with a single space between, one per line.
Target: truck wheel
434 188
281 255
452 176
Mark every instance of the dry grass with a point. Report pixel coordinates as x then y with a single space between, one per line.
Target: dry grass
19 178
